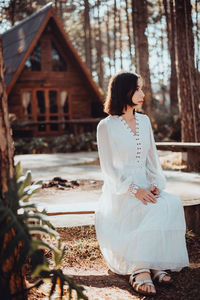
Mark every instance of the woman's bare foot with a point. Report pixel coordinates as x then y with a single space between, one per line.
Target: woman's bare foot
166 278
145 287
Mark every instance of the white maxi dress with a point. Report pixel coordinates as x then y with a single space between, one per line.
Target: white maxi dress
132 235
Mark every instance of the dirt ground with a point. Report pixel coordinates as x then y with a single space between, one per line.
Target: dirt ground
58 183
84 263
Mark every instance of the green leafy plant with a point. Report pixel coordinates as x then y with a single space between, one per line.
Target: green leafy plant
35 236
64 143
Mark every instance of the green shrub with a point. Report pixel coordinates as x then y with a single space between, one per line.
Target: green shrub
166 125
64 143
35 234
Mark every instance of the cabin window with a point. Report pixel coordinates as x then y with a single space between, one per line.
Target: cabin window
33 63
54 126
41 127
40 102
58 63
64 104
53 101
41 110
27 103
53 109
49 107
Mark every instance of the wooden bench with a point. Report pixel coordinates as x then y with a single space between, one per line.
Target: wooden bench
191 207
191 210
192 150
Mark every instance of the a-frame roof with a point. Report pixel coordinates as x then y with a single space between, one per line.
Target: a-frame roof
19 41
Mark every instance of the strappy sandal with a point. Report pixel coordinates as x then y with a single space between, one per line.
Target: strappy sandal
137 284
158 277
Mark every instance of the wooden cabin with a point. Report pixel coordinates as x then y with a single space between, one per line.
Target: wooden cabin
50 90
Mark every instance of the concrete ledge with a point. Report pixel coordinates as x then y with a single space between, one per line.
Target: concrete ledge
192 215
76 207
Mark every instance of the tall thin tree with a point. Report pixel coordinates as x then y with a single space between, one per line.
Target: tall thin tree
87 31
140 21
115 33
161 55
128 29
99 47
169 15
120 36
197 35
108 39
188 93
11 282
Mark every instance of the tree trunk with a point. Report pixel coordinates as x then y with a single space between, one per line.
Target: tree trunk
61 11
197 36
128 31
87 29
6 142
12 12
108 40
11 282
99 48
115 31
120 38
188 93
162 62
139 19
173 77
169 15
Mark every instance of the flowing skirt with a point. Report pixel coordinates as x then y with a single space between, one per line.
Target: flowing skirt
133 235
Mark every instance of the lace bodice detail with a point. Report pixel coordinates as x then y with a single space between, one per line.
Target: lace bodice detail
136 134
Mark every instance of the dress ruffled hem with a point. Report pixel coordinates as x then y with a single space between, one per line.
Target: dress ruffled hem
131 266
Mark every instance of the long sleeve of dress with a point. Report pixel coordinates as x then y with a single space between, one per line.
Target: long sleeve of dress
118 183
154 170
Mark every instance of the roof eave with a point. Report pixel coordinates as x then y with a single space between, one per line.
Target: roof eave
29 51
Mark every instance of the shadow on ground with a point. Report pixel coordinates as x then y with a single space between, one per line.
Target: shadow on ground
185 284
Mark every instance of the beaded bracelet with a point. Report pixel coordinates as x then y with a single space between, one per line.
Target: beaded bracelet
133 189
154 184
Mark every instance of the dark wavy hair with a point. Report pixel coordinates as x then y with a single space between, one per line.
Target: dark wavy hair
121 88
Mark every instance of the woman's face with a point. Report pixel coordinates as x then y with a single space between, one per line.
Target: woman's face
138 96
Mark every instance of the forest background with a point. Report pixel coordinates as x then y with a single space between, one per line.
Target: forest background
140 36
157 39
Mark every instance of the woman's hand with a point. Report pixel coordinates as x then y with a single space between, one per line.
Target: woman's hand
145 196
155 190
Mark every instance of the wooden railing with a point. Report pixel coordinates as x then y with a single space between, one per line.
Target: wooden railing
76 125
192 150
